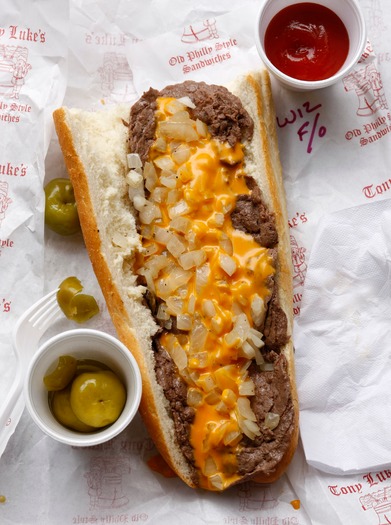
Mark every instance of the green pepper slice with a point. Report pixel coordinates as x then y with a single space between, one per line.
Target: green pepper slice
62 375
75 305
61 213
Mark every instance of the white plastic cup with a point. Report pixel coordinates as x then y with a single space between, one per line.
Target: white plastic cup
352 17
81 344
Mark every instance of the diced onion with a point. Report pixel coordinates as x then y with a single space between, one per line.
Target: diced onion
160 144
180 116
181 208
191 259
178 355
134 161
183 322
175 246
162 313
202 128
267 367
255 338
210 466
150 176
174 305
133 192
228 264
198 360
232 438
272 420
180 224
134 179
194 397
208 308
164 162
191 304
178 131
258 357
206 382
212 398
159 194
140 202
149 213
258 310
226 245
198 336
217 481
168 179
228 396
247 350
247 388
250 428
245 409
181 154
186 101
202 277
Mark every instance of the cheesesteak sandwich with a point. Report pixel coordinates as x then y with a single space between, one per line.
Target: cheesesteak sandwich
182 208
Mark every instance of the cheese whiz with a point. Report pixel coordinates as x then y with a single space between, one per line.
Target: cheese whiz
182 208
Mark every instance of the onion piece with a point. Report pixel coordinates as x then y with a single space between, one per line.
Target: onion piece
202 277
272 420
174 305
191 259
202 128
206 382
183 322
258 310
150 176
217 481
198 336
181 208
181 154
244 409
160 145
180 224
186 101
162 313
177 353
247 388
208 308
210 466
232 438
267 367
194 397
178 131
165 162
134 161
134 179
175 246
228 264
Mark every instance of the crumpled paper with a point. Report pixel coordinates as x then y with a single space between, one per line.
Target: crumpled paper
342 341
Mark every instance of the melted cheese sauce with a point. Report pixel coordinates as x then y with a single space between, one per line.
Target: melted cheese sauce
228 278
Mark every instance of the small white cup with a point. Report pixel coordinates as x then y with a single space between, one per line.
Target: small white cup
348 11
81 344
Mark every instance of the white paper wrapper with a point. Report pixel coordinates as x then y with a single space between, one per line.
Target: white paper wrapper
342 342
33 53
362 499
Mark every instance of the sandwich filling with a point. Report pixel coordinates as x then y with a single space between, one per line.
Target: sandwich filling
209 265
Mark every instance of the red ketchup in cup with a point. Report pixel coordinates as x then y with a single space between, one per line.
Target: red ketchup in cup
307 41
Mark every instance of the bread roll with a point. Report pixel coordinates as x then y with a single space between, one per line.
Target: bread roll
188 238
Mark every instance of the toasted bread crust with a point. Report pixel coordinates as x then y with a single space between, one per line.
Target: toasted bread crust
125 302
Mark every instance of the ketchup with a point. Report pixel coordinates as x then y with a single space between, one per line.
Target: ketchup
307 41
